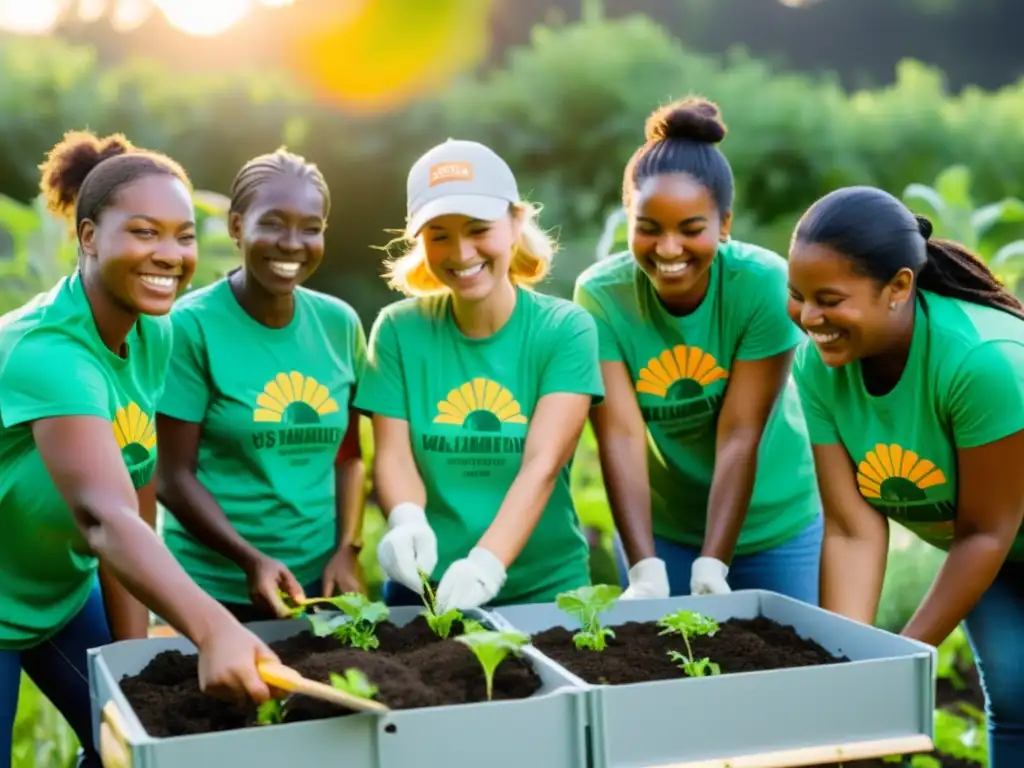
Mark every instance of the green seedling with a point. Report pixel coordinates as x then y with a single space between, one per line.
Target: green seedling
690 624
440 623
491 648
585 605
355 683
271 712
357 623
469 626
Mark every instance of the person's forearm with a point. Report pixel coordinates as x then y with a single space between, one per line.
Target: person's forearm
128 618
144 566
624 468
966 574
852 572
199 513
520 510
397 480
350 488
732 486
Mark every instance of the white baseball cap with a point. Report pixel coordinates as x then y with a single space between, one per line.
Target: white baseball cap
462 177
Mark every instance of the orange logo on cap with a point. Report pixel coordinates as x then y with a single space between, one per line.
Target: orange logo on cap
443 172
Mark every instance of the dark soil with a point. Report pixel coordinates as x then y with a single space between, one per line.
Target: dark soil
412 668
638 653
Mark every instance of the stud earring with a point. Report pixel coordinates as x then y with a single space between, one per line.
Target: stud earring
892 306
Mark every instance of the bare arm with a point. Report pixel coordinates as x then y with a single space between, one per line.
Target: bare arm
856 544
84 461
128 618
350 485
990 507
753 388
180 491
622 449
395 474
554 432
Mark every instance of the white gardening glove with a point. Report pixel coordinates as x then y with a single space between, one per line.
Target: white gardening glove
409 546
707 577
470 582
647 578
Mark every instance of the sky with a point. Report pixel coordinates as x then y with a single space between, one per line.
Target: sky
196 17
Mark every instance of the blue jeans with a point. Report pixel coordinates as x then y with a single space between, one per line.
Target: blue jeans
397 594
58 667
995 630
789 569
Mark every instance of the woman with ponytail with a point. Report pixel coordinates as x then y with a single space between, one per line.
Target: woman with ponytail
913 388
81 369
702 443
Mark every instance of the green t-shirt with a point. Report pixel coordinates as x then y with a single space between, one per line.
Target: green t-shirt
469 403
274 406
53 363
963 386
680 367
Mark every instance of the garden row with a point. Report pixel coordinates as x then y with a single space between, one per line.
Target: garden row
752 678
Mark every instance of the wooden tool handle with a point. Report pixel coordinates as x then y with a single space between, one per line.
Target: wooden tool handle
288 679
115 752
830 753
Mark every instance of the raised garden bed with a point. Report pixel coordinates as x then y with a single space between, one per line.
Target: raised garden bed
436 688
687 679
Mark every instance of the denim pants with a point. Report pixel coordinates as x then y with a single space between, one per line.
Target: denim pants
789 569
58 668
995 630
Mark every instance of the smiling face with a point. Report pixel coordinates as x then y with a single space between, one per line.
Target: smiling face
846 314
675 231
144 244
281 232
470 256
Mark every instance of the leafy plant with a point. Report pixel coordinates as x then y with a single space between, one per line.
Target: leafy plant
356 625
586 604
439 623
469 626
491 648
690 624
355 683
271 712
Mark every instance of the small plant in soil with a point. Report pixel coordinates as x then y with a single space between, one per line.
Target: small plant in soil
690 624
357 623
355 683
585 605
271 712
491 648
439 623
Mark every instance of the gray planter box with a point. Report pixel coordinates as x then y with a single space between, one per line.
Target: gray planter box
548 729
883 697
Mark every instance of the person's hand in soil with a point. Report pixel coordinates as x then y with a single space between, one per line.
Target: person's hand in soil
267 577
707 577
408 547
228 659
343 573
470 582
647 578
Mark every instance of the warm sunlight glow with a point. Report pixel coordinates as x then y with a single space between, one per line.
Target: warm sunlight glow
30 17
203 17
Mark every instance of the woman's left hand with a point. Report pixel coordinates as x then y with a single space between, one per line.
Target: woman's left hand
343 573
471 582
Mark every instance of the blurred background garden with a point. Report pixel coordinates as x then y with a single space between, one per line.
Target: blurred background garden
924 98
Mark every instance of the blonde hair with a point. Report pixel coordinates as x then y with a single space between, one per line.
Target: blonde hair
531 258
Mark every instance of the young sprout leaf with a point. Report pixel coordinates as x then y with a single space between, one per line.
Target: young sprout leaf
354 682
357 623
690 624
440 624
585 605
469 626
491 648
270 712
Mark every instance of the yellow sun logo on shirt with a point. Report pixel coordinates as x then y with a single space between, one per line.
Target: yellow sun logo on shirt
135 433
680 373
481 405
890 473
292 398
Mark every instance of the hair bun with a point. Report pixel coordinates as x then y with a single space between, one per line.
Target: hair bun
68 164
924 226
694 118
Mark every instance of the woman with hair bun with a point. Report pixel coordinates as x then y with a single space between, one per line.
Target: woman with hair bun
913 386
479 389
701 438
81 370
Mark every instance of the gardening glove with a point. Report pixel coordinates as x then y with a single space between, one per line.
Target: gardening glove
408 547
707 577
647 578
470 582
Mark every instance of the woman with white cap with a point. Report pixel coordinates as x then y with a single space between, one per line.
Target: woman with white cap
479 388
